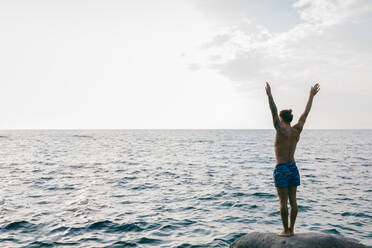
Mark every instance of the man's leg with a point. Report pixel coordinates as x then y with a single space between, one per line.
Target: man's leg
294 208
283 199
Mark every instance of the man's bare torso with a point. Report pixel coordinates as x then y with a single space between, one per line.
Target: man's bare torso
286 139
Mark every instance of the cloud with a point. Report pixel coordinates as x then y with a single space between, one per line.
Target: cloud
330 42
333 12
276 15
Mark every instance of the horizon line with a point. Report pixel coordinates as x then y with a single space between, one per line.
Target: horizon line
98 129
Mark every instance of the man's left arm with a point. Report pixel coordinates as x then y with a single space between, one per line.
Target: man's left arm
273 108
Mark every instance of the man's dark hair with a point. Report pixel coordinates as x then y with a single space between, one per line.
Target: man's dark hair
286 115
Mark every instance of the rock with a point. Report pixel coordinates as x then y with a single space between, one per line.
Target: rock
300 240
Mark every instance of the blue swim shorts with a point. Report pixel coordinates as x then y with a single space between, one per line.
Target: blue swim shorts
286 175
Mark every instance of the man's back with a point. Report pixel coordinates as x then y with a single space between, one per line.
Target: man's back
286 174
286 139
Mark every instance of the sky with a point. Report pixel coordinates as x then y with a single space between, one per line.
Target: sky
125 64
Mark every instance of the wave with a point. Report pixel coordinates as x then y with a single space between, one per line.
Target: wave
105 225
22 226
263 195
344 228
167 228
59 229
208 197
203 141
144 186
331 231
217 242
363 215
239 194
112 227
51 244
303 208
82 136
145 240
123 244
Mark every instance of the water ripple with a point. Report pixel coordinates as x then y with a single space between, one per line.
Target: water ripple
174 188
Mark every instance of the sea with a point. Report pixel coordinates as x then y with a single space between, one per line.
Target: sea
175 188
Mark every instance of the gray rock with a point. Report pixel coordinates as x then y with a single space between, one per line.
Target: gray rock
300 240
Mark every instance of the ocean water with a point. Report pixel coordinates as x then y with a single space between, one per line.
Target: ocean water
175 188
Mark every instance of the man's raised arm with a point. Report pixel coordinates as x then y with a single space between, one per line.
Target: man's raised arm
273 108
301 122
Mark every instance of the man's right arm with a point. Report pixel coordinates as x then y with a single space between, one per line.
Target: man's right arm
301 122
274 111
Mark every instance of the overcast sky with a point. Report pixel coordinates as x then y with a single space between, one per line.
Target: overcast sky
183 63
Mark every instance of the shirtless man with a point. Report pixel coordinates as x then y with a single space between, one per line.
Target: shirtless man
286 175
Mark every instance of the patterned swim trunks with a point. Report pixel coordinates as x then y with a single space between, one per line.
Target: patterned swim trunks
286 175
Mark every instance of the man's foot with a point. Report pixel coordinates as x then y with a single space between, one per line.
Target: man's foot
283 234
291 232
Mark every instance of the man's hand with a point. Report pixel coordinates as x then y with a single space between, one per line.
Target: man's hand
268 89
314 89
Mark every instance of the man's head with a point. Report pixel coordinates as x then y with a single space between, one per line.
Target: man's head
286 115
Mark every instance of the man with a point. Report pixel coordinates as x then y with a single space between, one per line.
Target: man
286 175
